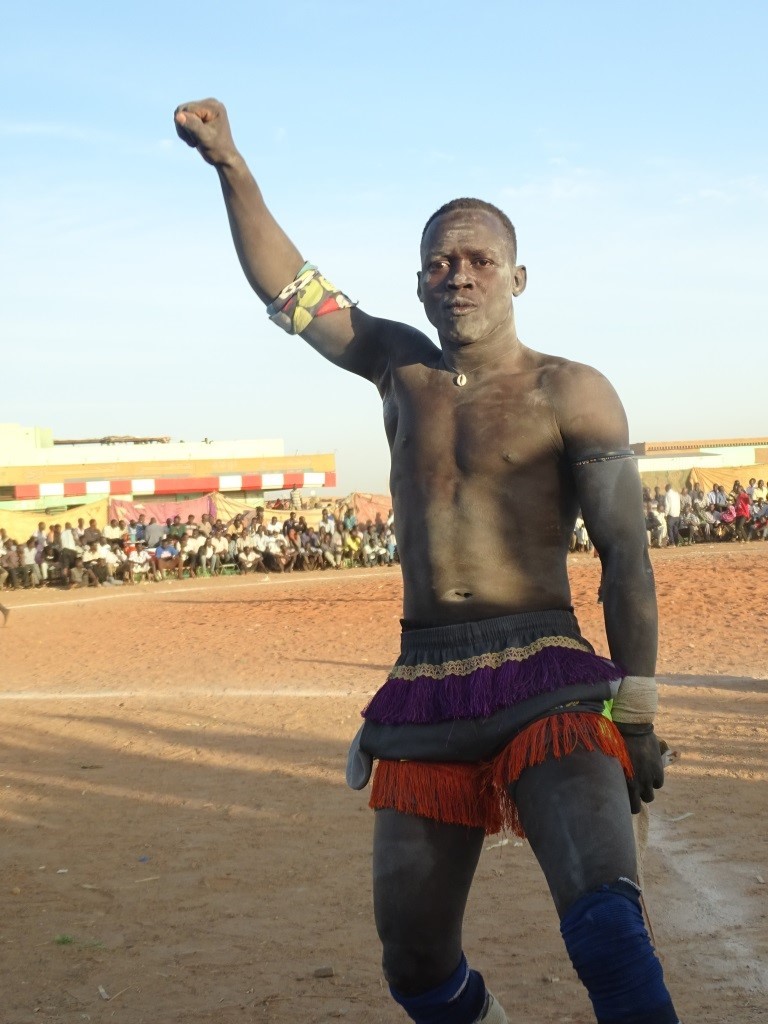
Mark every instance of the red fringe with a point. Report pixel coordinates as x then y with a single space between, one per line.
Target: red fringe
476 795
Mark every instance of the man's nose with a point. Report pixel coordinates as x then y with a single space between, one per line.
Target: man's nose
459 276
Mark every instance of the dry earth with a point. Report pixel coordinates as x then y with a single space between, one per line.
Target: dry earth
178 844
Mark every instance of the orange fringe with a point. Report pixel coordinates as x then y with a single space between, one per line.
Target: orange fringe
477 795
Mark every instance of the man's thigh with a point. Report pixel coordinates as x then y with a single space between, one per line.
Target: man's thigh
575 812
422 873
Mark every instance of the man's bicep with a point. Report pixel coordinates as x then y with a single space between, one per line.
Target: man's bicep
351 339
595 434
610 496
367 345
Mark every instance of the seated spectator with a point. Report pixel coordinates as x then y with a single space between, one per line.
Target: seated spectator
81 576
46 561
93 559
249 560
279 557
374 552
310 542
389 540
353 544
207 559
326 547
11 562
141 561
166 558
119 564
220 546
187 557
759 523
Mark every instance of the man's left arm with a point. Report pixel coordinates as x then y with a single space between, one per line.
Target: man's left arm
608 488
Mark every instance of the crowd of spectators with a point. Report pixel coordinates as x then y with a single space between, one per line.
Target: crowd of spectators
130 552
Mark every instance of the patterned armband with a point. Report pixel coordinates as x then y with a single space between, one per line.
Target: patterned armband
589 460
310 295
636 702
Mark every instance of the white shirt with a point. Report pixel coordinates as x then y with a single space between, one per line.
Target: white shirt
672 503
68 540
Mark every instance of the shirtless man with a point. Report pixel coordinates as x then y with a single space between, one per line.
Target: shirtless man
493 714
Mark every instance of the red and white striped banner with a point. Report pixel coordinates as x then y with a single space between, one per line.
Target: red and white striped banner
175 485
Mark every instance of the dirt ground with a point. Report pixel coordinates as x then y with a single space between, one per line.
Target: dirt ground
178 844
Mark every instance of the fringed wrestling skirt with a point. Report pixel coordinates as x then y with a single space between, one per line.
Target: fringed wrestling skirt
468 707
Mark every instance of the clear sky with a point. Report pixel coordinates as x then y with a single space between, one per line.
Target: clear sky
626 141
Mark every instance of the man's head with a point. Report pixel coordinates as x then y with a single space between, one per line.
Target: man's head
468 274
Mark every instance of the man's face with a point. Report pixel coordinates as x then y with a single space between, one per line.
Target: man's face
468 277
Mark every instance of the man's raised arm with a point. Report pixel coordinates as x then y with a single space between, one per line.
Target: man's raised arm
298 296
594 428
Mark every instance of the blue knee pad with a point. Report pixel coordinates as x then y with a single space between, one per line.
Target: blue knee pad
609 947
459 1000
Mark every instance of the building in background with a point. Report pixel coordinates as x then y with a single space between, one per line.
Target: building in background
39 472
721 460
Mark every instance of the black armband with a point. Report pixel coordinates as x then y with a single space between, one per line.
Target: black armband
588 460
634 728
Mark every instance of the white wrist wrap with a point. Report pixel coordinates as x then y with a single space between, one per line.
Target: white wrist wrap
637 700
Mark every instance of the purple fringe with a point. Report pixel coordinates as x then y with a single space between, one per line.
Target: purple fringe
425 701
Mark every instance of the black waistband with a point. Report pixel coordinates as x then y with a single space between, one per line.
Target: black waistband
505 628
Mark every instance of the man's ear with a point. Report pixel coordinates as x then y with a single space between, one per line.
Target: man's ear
519 280
418 286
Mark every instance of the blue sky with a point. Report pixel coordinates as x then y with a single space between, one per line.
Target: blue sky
627 142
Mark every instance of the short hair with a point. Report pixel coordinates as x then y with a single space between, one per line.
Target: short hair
467 203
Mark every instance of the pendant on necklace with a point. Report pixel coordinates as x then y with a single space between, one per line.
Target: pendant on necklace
460 380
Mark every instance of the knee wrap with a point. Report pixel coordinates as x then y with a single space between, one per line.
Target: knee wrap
459 1000
609 947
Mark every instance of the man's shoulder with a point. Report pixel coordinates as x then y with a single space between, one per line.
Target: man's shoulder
562 374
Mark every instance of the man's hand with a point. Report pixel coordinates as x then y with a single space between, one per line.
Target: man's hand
645 753
204 125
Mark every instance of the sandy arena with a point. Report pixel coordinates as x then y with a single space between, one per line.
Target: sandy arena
179 846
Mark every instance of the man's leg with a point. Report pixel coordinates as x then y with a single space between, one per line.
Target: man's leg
422 872
575 811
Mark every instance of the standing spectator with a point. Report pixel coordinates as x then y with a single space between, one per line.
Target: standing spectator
90 533
30 571
672 511
743 510
112 530
154 533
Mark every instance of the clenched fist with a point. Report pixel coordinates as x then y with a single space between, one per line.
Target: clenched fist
204 125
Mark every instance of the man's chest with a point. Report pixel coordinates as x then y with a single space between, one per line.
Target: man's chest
502 427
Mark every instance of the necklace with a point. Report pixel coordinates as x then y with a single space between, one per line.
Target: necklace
460 379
